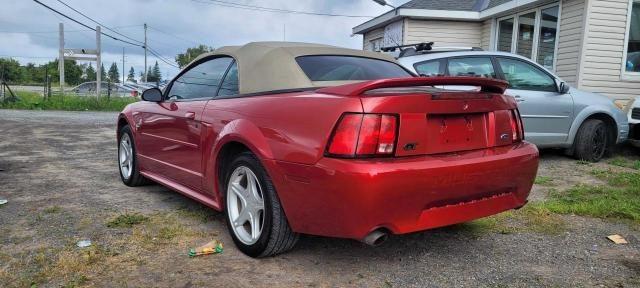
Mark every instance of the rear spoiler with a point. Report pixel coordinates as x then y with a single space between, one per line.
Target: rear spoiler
357 89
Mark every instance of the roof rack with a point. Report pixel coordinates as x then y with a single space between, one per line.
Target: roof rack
425 48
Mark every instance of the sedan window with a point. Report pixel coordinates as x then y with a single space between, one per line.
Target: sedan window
201 81
472 66
347 68
524 76
429 68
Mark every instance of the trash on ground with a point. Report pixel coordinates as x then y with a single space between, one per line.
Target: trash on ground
213 247
83 243
3 201
617 239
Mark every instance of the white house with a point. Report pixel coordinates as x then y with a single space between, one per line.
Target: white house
592 44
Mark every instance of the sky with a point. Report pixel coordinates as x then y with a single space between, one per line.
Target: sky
28 31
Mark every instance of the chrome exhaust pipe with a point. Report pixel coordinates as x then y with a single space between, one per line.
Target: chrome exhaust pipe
375 238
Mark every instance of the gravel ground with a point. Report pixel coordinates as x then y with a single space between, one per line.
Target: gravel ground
58 171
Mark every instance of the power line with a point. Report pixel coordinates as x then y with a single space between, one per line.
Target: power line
85 25
275 10
94 21
172 35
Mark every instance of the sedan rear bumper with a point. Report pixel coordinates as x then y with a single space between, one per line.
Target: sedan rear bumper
350 198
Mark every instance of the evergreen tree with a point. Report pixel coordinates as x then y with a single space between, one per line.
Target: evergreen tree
114 75
132 75
103 73
91 73
154 73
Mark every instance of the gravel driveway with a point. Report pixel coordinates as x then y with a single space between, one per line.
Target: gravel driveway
58 172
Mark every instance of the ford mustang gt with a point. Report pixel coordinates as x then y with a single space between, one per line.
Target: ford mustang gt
295 138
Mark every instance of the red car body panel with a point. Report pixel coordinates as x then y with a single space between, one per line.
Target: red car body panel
457 172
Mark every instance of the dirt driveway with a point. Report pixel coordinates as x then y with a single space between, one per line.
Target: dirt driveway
58 172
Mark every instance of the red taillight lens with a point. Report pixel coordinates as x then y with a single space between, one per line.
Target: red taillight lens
516 126
364 135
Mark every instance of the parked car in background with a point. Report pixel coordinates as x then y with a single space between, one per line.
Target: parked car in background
633 113
117 89
291 138
555 114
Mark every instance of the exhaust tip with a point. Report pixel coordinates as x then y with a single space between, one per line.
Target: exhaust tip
376 238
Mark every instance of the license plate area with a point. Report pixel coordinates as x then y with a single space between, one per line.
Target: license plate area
456 132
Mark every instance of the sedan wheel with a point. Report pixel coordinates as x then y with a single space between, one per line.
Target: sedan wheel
592 140
127 162
245 204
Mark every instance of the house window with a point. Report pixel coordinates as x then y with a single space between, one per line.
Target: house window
632 63
376 44
531 34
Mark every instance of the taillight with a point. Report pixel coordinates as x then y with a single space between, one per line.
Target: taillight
364 135
517 131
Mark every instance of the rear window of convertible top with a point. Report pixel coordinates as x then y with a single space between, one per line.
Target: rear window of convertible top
346 68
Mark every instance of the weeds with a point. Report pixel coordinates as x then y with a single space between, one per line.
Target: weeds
543 180
53 209
34 101
625 162
127 220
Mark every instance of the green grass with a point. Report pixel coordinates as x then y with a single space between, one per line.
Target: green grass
531 218
620 199
625 162
127 220
543 180
53 209
34 101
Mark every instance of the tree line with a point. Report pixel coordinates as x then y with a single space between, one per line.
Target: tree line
14 73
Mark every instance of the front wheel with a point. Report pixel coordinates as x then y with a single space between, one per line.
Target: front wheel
255 218
127 160
592 140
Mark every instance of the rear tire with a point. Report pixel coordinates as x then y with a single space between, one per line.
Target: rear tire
592 141
275 235
128 160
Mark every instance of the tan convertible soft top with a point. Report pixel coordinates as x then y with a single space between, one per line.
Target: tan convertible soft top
270 66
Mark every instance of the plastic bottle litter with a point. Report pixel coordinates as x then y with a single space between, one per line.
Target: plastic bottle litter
83 243
213 247
3 201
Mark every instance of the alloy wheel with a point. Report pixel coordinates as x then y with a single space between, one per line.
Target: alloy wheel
245 205
125 156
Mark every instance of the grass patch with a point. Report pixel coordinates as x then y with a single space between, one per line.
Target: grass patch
127 220
583 162
625 162
543 180
35 101
620 199
53 209
531 218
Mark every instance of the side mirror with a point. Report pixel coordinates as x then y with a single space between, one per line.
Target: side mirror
152 95
563 88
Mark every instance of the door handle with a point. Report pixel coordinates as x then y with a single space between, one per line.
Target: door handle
190 115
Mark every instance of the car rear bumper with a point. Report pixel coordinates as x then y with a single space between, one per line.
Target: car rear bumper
351 198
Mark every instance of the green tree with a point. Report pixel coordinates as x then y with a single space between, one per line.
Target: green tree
132 75
91 73
103 73
114 75
10 70
154 73
185 58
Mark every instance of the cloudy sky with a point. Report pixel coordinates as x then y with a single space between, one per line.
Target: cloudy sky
28 31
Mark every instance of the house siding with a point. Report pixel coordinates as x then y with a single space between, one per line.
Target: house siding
371 35
444 33
570 40
602 61
485 42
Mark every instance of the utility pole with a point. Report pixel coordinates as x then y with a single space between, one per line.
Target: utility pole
61 59
123 65
98 63
145 52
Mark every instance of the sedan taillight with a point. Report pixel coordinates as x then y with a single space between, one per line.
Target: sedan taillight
516 126
364 135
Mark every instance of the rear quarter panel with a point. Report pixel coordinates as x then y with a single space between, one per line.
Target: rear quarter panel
292 127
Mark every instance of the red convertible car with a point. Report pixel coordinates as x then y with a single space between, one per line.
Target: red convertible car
294 138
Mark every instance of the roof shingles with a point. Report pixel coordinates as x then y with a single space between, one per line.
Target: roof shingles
453 5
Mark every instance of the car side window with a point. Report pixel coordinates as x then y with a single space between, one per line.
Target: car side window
428 68
524 76
229 86
201 81
471 66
